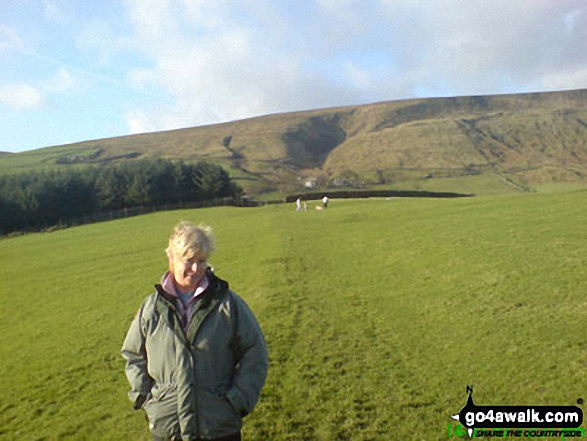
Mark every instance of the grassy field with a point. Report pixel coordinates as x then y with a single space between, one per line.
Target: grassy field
377 313
40 159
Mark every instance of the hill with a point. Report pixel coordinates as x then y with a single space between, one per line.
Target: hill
522 140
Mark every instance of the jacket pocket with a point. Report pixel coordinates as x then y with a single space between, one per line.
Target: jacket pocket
161 409
218 416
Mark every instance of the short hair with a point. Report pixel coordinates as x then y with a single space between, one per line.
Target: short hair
188 240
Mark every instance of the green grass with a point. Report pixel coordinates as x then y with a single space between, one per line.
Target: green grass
377 313
40 159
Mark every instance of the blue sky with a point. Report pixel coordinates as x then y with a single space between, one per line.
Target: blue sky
76 70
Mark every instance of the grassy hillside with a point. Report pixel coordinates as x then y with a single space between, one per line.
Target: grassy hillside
377 314
529 139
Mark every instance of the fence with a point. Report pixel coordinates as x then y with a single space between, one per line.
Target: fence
349 194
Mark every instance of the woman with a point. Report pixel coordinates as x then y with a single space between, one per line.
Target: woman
196 356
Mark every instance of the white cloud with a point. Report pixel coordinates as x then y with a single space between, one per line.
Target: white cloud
21 96
58 11
26 96
99 38
485 46
573 18
62 81
142 78
359 77
9 39
154 22
137 122
571 79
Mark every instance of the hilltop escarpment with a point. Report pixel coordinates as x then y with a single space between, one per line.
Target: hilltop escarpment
527 138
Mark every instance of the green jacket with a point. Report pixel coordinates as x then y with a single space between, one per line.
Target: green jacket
199 383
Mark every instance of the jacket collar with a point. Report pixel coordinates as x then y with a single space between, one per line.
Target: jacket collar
168 284
216 286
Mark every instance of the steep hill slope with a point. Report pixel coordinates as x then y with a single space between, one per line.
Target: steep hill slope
524 139
509 133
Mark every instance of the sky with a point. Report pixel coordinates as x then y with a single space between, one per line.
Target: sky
77 70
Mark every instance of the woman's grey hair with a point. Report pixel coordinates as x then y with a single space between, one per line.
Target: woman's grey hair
189 240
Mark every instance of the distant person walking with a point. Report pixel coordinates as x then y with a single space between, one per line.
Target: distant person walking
325 201
196 358
298 204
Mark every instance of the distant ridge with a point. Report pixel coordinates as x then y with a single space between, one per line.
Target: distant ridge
525 139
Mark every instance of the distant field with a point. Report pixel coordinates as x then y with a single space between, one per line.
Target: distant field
39 159
378 313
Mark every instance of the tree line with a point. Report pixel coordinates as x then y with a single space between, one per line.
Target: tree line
39 199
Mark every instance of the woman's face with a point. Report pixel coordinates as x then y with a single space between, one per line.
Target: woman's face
187 272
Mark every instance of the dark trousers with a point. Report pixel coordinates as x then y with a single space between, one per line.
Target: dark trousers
235 437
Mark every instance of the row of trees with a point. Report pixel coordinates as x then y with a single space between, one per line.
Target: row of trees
39 199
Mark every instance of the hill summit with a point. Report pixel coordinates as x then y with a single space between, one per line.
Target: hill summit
526 139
